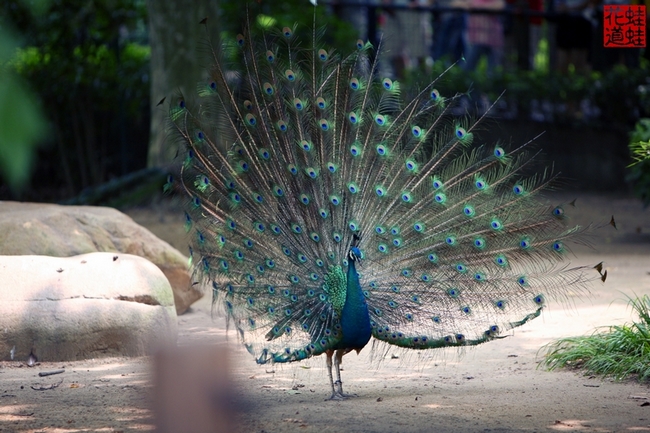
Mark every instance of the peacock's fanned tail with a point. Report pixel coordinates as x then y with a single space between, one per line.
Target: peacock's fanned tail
291 149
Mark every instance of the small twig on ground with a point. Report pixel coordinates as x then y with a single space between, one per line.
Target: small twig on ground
50 373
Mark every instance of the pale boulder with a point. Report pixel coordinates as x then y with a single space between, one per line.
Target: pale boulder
62 231
86 306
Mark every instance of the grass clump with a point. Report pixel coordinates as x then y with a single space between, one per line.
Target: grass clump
620 352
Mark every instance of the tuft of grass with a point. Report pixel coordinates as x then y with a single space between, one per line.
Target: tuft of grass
620 352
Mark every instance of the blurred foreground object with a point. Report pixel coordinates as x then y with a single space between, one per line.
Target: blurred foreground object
193 390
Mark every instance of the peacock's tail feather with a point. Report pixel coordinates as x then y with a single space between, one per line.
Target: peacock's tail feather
292 149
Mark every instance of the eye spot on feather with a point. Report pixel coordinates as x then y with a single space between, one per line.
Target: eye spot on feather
250 119
411 165
311 172
479 243
289 75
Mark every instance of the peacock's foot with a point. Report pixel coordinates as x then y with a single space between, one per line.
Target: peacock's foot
339 396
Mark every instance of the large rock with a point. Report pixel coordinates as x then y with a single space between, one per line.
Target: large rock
63 231
87 306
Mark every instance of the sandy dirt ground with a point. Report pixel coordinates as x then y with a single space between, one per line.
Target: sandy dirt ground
496 387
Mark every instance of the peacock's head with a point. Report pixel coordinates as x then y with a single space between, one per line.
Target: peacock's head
354 254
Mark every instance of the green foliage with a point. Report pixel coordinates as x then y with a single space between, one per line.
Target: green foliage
339 33
640 150
88 63
22 123
620 95
621 352
639 146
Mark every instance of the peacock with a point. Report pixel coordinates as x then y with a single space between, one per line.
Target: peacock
325 209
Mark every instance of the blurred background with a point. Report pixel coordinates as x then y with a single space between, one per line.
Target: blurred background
82 83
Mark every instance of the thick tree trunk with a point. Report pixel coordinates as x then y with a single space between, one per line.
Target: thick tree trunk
179 56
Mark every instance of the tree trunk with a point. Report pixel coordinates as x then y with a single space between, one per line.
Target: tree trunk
178 61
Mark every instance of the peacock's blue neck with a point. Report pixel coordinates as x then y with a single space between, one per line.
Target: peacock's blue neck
355 320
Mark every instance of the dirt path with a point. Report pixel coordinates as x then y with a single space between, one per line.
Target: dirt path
495 387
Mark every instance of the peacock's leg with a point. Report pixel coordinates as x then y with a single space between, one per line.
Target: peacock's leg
337 387
338 360
328 361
